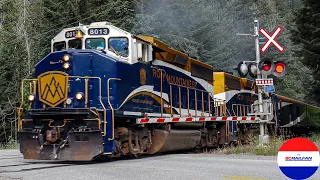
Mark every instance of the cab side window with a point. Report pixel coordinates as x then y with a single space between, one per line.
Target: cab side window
59 46
75 44
119 46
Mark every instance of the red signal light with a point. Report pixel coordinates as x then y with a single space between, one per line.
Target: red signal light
266 66
276 68
279 67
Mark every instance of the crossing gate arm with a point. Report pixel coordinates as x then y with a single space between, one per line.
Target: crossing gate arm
241 119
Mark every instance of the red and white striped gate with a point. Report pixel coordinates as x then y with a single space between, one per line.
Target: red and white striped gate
242 119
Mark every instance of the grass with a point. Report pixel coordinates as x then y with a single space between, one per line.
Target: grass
268 150
12 144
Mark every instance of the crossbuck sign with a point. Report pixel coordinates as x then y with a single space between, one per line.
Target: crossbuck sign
271 39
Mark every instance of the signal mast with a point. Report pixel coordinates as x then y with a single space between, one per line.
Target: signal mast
260 69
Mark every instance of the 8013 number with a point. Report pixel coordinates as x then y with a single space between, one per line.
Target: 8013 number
98 31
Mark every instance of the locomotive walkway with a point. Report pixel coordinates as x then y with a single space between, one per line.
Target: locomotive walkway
171 166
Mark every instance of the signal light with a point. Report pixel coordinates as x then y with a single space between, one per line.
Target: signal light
276 68
253 70
280 69
243 69
266 66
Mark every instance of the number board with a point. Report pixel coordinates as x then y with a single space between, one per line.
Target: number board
70 34
98 31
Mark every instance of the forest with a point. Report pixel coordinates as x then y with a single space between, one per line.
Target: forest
204 29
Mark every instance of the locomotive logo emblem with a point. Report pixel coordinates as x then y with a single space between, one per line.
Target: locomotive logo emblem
143 76
53 87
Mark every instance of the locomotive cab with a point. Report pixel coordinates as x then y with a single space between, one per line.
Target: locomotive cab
106 38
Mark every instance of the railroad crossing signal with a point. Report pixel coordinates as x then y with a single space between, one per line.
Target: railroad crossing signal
271 39
277 68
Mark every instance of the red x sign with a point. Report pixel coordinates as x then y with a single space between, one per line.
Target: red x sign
271 39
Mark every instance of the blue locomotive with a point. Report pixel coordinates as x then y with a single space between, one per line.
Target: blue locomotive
104 92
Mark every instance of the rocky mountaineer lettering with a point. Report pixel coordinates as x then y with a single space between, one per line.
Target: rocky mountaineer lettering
174 79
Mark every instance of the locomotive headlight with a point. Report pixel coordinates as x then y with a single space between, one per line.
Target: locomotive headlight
31 97
66 58
79 96
66 66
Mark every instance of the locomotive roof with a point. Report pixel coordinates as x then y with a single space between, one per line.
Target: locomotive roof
61 35
169 53
287 99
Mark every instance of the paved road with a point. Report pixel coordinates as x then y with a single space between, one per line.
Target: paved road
171 167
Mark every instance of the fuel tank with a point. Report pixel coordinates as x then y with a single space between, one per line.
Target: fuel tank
174 140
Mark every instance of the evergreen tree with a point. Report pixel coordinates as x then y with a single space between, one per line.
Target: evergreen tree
207 30
14 59
203 29
306 35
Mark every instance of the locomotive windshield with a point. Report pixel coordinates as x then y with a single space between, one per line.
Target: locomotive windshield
119 45
75 44
95 43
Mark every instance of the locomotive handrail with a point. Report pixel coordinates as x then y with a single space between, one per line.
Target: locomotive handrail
110 105
216 101
20 109
86 91
161 79
240 106
100 98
